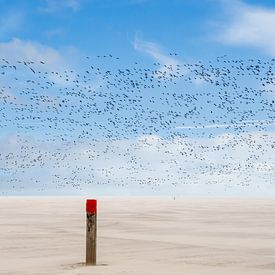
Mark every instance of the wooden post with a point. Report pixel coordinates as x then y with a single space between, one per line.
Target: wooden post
91 228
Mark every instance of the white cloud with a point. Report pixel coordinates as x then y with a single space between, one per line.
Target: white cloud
30 54
30 51
228 164
17 49
249 25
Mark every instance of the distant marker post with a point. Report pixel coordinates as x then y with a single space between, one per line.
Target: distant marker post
91 231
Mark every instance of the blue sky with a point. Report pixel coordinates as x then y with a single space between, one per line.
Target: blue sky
192 28
64 32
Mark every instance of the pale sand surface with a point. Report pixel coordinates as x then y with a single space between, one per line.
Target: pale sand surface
139 236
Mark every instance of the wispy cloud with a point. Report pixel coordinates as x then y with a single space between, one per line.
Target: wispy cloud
167 63
249 25
52 6
55 32
245 123
10 23
154 50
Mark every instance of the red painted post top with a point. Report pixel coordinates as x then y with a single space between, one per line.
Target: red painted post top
91 206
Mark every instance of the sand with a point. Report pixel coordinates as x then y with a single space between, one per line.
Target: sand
138 236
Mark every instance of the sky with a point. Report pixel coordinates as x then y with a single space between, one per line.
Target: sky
195 29
64 32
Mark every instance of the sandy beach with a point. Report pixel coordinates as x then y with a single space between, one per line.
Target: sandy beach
138 236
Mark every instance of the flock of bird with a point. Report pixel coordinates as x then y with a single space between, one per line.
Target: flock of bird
106 124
